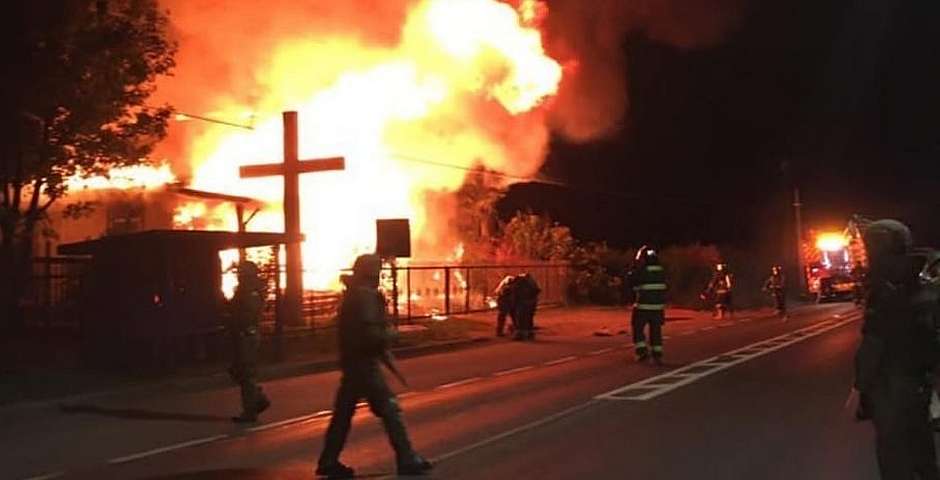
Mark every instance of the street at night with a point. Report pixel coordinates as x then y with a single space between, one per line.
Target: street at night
760 398
470 239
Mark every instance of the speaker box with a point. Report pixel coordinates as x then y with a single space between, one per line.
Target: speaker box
393 238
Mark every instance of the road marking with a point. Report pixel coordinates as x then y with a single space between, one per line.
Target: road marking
514 370
726 324
705 329
651 388
289 421
169 448
601 351
515 431
407 394
745 320
457 384
48 476
561 360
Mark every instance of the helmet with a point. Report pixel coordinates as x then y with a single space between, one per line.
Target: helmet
776 269
367 268
887 237
247 269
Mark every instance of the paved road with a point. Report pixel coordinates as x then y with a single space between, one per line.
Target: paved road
750 398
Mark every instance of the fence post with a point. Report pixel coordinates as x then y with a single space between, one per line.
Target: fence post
466 305
408 289
446 290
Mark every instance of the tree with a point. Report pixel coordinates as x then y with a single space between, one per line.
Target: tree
476 202
76 97
530 236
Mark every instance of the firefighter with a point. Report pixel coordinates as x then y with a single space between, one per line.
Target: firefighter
505 304
526 298
776 286
648 280
897 355
363 346
245 309
719 289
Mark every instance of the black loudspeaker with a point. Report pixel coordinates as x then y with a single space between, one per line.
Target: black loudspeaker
393 238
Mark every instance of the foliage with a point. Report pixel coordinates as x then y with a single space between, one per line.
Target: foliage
77 104
477 223
530 236
598 273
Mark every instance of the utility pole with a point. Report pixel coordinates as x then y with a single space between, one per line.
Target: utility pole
798 224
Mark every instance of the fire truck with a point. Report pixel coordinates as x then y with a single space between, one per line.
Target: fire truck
830 259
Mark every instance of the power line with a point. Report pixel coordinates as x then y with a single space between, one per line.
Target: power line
554 182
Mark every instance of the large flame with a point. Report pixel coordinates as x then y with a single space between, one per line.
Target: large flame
458 90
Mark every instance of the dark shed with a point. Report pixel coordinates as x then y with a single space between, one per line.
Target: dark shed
154 298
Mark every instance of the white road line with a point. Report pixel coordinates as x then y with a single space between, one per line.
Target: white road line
649 388
705 329
48 476
561 360
407 394
169 448
289 421
457 384
726 324
601 351
512 371
745 320
515 431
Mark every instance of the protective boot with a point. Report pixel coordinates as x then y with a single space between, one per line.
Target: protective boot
335 470
415 466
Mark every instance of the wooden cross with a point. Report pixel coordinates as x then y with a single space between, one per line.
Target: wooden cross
291 170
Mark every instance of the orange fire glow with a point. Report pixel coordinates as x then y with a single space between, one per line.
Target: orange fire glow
460 89
831 242
125 178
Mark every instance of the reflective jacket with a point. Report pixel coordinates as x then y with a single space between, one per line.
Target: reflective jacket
649 283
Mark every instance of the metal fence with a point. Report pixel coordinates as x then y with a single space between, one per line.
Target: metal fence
413 292
52 292
426 291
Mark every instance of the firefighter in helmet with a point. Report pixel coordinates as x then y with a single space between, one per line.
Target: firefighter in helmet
898 354
505 305
648 280
776 286
364 338
244 315
719 289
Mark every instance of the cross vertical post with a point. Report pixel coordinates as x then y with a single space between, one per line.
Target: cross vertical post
290 170
294 290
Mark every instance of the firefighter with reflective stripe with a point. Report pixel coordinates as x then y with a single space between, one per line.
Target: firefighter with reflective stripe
505 305
648 281
776 286
245 309
719 289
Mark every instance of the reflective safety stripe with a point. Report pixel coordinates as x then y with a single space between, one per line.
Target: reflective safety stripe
654 268
640 345
657 348
650 306
650 286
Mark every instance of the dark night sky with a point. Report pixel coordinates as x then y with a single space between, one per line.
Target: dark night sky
840 97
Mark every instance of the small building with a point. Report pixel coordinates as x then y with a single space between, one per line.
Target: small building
154 298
